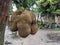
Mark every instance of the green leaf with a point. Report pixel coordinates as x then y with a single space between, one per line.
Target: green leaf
53 2
24 3
57 11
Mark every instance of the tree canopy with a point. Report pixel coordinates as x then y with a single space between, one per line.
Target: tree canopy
24 3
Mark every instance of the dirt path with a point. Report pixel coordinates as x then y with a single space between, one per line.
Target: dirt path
39 38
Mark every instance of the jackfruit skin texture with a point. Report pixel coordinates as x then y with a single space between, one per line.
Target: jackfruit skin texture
24 22
23 29
34 28
26 17
34 25
14 20
15 15
31 15
13 26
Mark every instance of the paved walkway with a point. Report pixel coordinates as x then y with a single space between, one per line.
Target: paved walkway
39 38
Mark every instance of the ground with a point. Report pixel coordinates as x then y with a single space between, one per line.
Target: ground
39 38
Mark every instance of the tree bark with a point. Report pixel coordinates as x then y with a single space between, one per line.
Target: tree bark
4 9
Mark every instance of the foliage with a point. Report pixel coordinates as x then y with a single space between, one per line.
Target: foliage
47 7
24 3
40 23
11 9
57 11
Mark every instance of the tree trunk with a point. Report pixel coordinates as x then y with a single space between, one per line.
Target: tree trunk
4 9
